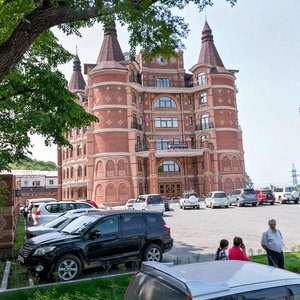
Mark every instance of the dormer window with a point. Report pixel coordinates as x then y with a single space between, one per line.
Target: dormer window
132 76
202 79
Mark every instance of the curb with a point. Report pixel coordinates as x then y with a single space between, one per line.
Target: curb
4 282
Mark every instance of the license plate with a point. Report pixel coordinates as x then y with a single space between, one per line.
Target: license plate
21 258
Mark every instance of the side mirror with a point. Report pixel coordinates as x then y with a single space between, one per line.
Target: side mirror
95 234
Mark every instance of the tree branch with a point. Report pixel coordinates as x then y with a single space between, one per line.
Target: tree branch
39 20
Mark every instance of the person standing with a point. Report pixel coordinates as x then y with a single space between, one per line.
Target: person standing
238 250
272 242
221 251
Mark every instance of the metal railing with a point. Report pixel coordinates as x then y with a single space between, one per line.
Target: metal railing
205 126
137 126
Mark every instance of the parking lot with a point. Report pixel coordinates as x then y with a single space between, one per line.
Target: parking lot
199 231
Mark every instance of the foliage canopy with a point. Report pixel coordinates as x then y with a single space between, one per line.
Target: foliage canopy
34 98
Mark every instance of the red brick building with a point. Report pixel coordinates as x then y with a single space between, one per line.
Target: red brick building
161 130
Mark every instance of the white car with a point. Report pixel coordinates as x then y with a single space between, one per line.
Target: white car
217 199
189 199
219 280
130 204
151 202
286 194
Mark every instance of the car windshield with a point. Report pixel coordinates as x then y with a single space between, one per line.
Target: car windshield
220 195
79 225
249 191
131 201
56 222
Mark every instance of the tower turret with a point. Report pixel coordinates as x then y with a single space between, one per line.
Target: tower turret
77 81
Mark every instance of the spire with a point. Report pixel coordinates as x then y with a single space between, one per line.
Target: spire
77 81
209 54
110 53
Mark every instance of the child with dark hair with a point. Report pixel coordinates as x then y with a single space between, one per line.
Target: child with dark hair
221 252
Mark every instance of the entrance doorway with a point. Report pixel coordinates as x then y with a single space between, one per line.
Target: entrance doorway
170 190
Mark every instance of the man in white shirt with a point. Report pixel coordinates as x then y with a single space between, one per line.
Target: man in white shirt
272 242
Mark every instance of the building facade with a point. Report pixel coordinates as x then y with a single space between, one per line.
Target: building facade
160 130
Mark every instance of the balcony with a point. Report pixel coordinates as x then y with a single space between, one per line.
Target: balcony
170 83
141 147
180 145
204 126
137 126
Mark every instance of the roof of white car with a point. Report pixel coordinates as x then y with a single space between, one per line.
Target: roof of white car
217 277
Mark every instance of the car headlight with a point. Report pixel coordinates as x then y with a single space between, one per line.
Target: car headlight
43 250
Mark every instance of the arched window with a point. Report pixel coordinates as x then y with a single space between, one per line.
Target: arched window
134 119
72 172
168 166
68 173
84 149
63 154
133 97
165 102
204 121
79 150
141 120
85 171
201 79
80 192
67 153
79 171
71 152
141 188
64 174
140 166
78 130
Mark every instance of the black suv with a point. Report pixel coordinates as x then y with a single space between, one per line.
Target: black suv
96 239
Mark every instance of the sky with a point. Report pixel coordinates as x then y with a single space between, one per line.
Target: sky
259 38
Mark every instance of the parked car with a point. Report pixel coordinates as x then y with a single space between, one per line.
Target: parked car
93 240
286 194
93 203
166 203
240 197
152 202
265 196
189 199
31 206
130 204
219 280
58 223
48 211
217 199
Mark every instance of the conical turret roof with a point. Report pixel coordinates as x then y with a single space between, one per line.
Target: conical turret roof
208 53
77 81
110 53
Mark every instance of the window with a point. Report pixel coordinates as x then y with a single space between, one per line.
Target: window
85 171
140 99
162 82
132 223
134 119
133 97
72 172
203 98
202 79
166 122
191 120
165 102
79 171
141 120
132 76
71 133
140 167
71 152
190 100
204 122
79 150
78 131
84 149
161 144
109 226
168 166
202 139
51 181
36 183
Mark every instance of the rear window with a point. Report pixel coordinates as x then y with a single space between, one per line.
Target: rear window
220 195
290 189
154 199
154 219
147 287
266 192
249 191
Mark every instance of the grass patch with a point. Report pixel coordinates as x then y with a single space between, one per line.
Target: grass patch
100 289
18 276
19 235
291 261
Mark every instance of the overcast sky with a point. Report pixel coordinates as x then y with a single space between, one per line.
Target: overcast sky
262 40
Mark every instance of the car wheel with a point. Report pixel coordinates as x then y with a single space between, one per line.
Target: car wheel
226 206
238 203
153 253
198 207
255 204
296 201
183 207
272 203
281 201
68 267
